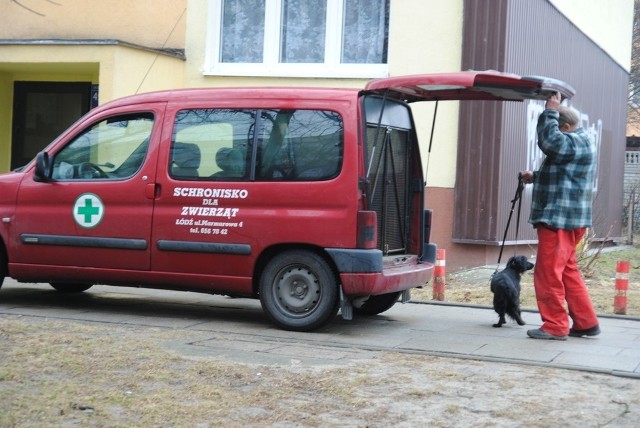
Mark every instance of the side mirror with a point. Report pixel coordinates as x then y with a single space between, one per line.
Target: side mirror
43 167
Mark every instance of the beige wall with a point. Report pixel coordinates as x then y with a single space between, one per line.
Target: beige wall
607 23
134 71
119 70
425 37
151 23
196 46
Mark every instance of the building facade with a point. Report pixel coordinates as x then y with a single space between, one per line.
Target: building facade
57 59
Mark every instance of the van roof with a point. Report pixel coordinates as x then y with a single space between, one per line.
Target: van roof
466 85
239 93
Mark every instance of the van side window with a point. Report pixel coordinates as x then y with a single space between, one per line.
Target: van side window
113 148
256 145
212 144
300 145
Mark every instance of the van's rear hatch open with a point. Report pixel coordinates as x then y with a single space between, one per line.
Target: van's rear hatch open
393 183
469 85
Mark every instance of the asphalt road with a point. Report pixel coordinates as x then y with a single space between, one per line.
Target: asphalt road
241 332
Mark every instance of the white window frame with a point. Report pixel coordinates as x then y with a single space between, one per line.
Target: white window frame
331 68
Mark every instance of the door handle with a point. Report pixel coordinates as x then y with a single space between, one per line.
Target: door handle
152 190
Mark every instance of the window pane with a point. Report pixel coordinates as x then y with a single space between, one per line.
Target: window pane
212 143
303 31
242 31
300 145
114 148
365 34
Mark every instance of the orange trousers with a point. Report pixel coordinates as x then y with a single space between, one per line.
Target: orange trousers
557 280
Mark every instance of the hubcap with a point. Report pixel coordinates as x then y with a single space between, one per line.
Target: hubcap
297 290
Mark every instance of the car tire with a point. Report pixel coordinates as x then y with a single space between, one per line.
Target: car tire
375 305
66 287
299 291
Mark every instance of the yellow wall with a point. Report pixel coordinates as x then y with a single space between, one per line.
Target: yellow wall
152 23
133 71
119 70
425 36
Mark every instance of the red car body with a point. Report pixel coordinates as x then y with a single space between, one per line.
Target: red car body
323 209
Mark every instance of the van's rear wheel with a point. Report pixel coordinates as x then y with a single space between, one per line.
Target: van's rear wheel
299 291
375 305
66 287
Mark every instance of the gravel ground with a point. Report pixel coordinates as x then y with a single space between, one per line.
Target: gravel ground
67 373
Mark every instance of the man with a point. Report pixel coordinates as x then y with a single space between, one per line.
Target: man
561 212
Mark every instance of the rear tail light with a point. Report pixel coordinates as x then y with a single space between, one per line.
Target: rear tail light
367 230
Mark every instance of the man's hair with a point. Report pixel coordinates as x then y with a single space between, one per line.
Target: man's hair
568 115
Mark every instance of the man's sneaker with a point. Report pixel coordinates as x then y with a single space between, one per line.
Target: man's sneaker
541 334
593 331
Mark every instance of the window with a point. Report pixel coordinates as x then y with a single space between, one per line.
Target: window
262 145
298 38
114 148
299 145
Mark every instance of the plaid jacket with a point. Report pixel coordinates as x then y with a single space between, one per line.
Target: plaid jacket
563 186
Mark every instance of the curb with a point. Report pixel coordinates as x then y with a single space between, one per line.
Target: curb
477 306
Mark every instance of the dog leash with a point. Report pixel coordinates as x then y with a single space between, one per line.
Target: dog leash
516 198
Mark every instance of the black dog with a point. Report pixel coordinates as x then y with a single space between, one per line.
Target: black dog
505 286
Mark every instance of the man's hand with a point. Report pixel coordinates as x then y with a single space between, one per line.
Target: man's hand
526 177
553 102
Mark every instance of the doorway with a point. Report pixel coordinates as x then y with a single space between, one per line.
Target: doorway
41 111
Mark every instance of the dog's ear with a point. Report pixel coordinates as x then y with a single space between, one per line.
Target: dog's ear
525 264
520 263
514 262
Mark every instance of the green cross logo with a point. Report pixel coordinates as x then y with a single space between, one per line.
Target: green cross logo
88 210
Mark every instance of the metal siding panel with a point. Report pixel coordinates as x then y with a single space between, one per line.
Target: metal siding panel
601 97
477 171
538 40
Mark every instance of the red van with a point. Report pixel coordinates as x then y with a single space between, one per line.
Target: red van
310 199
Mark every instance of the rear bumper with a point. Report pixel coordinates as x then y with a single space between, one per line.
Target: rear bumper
366 272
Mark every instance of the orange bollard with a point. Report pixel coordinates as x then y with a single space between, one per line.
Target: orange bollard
439 275
622 285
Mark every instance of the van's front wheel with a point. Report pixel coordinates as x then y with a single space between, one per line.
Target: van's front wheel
299 291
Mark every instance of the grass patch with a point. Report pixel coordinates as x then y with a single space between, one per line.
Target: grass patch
599 278
54 375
